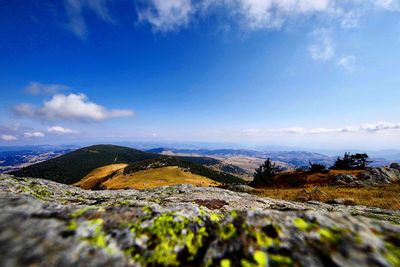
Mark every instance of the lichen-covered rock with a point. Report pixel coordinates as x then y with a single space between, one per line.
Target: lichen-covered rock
48 224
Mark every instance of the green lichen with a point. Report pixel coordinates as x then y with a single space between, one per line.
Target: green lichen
79 212
225 263
280 260
169 234
98 237
392 254
72 225
226 231
301 224
215 217
147 210
331 235
261 258
36 190
262 239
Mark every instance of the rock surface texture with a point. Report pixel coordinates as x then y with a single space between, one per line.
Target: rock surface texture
371 177
49 224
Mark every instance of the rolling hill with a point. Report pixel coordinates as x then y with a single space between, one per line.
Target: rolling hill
113 177
72 167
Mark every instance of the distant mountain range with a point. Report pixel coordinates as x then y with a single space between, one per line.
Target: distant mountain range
11 160
74 166
240 162
292 158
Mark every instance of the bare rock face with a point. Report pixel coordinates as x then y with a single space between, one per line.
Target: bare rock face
48 224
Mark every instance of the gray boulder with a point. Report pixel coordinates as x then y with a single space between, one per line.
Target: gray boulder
44 223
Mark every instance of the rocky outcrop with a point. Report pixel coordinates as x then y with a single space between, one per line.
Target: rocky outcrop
347 179
381 176
44 223
371 177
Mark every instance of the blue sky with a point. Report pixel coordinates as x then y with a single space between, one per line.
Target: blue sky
317 73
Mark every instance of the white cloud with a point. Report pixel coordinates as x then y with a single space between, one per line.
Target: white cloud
35 88
60 130
347 62
171 15
71 107
257 14
322 48
387 4
34 134
76 20
167 15
8 137
24 109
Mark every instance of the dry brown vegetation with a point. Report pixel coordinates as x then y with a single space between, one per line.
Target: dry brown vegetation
383 197
299 178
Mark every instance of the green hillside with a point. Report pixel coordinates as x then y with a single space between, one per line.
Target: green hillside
72 167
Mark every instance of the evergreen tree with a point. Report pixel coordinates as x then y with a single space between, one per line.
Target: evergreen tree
265 173
351 162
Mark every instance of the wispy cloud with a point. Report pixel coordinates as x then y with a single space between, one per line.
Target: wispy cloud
321 48
363 128
76 21
60 130
8 137
36 88
171 15
347 62
167 15
34 134
70 107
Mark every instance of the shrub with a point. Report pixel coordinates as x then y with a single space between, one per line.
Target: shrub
317 168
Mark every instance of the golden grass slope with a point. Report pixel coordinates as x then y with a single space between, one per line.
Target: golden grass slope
100 175
150 178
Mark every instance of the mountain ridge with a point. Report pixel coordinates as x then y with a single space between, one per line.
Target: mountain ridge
72 167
